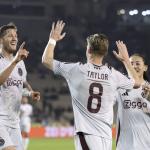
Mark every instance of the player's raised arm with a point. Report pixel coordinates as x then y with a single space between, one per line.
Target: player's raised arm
123 56
21 54
55 35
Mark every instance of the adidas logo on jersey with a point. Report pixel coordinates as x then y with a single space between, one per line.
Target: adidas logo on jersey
125 94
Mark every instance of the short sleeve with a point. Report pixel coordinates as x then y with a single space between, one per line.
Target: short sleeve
26 92
24 77
2 65
64 69
122 81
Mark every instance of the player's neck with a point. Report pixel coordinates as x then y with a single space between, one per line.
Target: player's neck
7 55
141 79
95 60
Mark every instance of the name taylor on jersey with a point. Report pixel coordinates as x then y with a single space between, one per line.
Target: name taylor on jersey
96 75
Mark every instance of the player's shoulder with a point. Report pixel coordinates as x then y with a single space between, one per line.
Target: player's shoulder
72 63
66 63
84 66
81 64
108 67
21 63
120 91
3 61
115 71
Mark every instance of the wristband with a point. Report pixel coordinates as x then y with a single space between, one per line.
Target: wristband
30 93
26 92
52 41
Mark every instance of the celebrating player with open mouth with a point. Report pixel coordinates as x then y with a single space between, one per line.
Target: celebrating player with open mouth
133 121
12 77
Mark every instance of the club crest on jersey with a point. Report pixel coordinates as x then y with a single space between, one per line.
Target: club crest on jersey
2 141
20 72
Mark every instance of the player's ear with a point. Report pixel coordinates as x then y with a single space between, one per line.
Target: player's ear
145 67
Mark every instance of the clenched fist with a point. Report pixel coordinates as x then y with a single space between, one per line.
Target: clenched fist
35 95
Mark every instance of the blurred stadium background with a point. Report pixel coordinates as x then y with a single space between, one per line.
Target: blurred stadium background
119 19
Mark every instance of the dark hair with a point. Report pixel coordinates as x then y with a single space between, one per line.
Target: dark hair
145 75
4 28
98 44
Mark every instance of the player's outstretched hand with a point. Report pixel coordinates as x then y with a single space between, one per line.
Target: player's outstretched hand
21 54
56 31
35 95
122 54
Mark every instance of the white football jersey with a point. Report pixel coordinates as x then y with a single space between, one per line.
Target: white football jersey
133 120
25 113
92 90
11 93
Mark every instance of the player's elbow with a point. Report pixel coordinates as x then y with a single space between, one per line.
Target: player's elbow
44 61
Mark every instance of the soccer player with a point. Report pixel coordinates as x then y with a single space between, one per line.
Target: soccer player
92 86
25 120
12 78
133 123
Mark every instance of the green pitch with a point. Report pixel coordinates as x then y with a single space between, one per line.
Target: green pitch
53 144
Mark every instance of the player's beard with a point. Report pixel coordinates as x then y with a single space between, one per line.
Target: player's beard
10 49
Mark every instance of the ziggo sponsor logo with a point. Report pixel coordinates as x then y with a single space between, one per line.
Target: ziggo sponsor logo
11 82
135 104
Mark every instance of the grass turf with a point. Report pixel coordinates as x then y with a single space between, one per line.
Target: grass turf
54 144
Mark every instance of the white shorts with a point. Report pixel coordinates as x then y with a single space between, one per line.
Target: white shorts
26 127
10 137
91 142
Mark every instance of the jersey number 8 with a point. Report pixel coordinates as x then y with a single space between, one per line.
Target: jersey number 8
94 96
